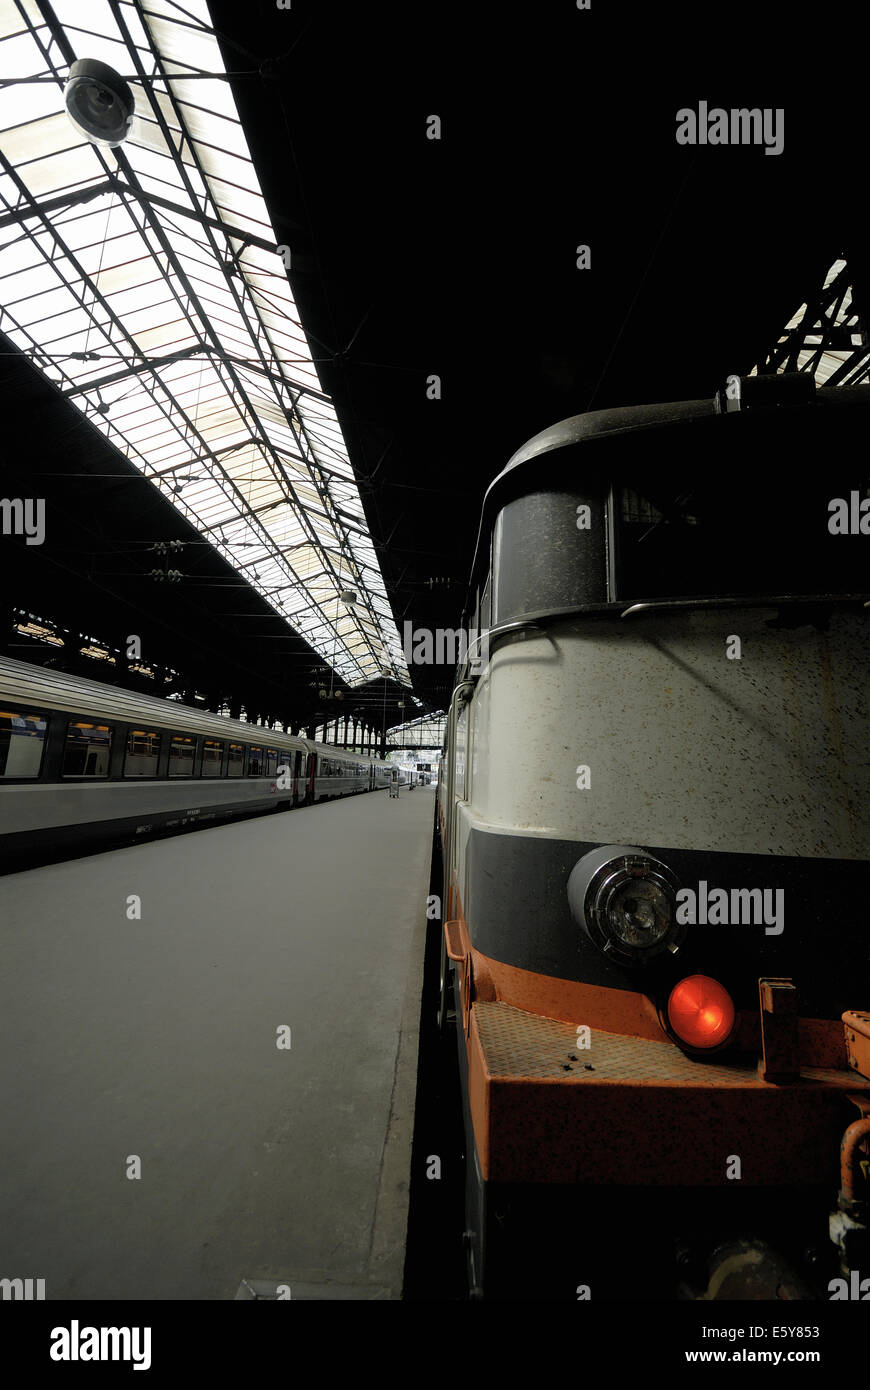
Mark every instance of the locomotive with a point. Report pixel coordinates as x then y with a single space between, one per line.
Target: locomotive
654 816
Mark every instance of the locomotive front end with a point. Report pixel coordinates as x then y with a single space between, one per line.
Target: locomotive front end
655 826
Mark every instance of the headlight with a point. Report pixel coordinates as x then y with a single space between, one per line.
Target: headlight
626 902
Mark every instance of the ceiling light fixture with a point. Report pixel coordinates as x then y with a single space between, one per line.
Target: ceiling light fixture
99 102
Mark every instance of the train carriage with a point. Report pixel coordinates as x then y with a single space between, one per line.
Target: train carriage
85 765
655 822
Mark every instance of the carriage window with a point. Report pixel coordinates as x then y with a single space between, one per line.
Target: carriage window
271 762
181 754
140 758
256 761
212 757
22 737
87 751
236 760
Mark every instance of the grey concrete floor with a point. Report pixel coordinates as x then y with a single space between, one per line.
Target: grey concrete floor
157 1037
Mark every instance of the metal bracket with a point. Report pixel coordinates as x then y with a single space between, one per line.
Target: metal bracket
780 1057
857 1026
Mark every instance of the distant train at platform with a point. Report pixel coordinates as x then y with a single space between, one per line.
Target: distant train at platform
654 815
88 766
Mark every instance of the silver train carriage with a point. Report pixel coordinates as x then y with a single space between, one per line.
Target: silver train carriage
84 765
654 809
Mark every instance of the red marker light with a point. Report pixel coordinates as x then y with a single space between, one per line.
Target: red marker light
700 1011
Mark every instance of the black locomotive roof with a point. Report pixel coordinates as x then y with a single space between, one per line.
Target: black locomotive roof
625 419
596 423
539 460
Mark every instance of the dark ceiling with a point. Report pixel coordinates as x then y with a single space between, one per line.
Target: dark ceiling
457 257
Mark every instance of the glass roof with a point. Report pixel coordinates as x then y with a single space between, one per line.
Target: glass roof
146 283
425 732
826 337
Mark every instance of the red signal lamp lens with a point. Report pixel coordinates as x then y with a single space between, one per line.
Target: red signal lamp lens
701 1011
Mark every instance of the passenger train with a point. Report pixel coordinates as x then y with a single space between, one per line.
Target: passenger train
85 765
654 814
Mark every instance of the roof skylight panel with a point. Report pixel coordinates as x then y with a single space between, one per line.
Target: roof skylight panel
149 133
65 333
175 335
146 397
20 104
281 441
127 288
180 44
230 331
207 127
43 299
161 167
200 398
173 454
92 40
17 255
21 57
270 412
228 170
10 20
206 276
217 304
212 96
152 431
235 205
33 139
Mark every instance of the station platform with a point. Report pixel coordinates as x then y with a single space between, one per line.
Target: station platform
156 1038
